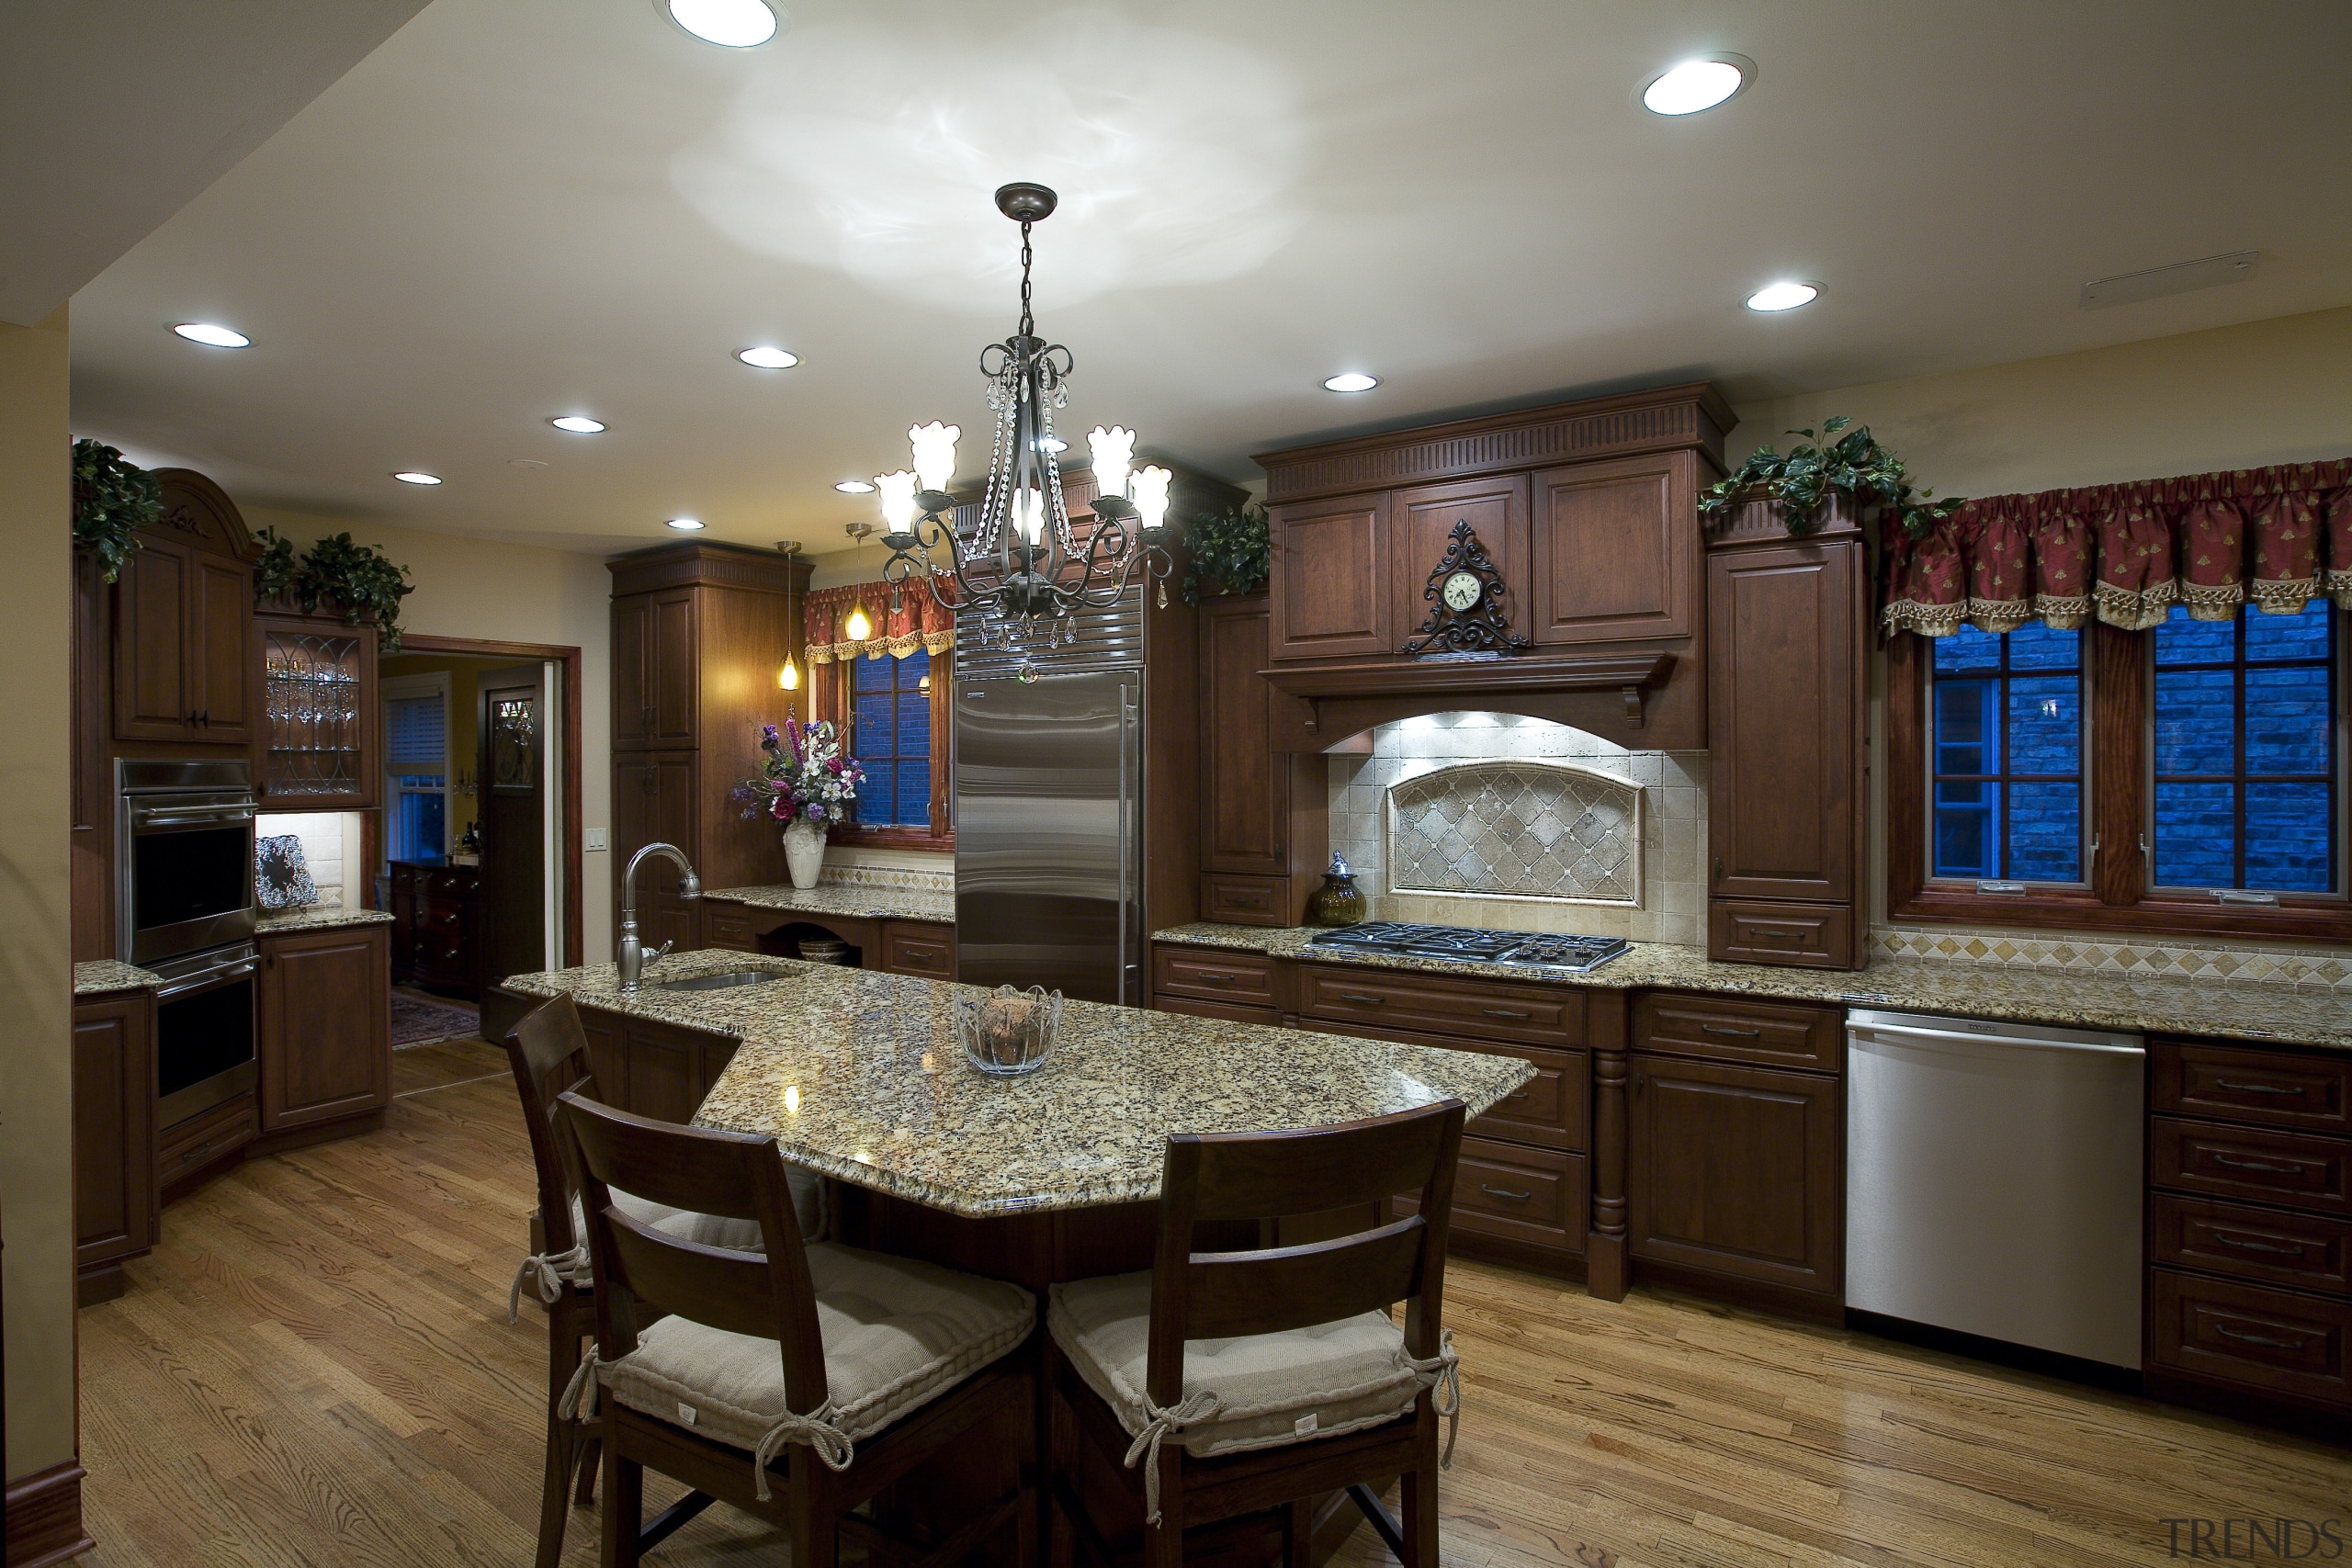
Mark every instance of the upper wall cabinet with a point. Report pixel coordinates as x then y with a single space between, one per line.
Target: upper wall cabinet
184 657
1329 576
319 736
1616 550
655 668
1422 530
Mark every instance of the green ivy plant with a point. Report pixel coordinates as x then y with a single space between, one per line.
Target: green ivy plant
1838 460
1230 549
112 501
362 580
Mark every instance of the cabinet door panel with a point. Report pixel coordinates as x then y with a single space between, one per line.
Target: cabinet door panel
1738 1170
607 1056
1616 550
1421 523
1328 588
1783 702
152 695
221 657
326 1026
632 711
1242 804
671 668
665 1073
114 1131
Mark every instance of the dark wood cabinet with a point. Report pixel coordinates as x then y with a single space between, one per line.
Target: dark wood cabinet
437 926
1421 526
115 1208
1329 585
1616 551
920 948
318 743
153 699
655 668
653 1069
186 669
326 1026
656 799
1264 813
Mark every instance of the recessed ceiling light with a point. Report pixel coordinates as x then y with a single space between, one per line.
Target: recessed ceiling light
579 424
767 356
685 524
855 487
418 477
1350 381
1784 295
213 335
1698 84
736 24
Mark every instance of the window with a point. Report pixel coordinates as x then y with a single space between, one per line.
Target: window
416 761
2187 780
892 737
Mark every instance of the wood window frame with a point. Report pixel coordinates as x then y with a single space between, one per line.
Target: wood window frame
833 695
2117 898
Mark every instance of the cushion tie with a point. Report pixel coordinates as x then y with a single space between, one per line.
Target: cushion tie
1441 1374
1157 1424
815 1428
549 1271
579 1400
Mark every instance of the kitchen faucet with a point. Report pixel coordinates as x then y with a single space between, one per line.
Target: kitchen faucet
631 953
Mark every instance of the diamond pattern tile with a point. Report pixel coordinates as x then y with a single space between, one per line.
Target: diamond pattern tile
1517 829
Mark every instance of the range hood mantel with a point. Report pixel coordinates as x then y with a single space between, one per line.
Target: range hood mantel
1439 685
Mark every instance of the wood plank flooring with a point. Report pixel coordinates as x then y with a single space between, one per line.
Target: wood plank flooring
315 1368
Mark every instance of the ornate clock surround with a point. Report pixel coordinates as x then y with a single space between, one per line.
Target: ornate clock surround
1476 629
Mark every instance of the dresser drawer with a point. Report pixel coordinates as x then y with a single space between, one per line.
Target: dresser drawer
1476 1010
1733 1029
2307 1173
2301 1250
1814 936
1245 900
2250 1335
911 947
2312 1094
1241 979
1533 1196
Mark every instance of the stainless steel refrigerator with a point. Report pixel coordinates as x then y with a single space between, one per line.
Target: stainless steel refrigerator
1049 839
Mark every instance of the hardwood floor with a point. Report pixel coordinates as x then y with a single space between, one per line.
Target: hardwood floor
316 1368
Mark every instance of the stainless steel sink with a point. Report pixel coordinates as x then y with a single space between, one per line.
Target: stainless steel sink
727 980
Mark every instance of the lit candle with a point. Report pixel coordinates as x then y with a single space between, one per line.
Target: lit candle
1151 496
1114 449
934 446
897 500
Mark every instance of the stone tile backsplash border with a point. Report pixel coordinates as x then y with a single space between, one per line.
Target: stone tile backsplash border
907 879
2303 968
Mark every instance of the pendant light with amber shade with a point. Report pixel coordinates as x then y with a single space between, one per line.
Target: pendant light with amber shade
788 675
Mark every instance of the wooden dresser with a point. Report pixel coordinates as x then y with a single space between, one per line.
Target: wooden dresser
437 918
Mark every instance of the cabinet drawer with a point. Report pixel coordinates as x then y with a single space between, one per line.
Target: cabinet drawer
1194 1007
1245 900
1533 1196
1551 1110
2312 1093
1246 979
1476 1010
199 1141
2249 1335
2311 1174
728 927
2301 1250
909 948
1736 1029
1812 936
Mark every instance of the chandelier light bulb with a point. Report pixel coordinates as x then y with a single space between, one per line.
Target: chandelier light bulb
1113 450
857 626
934 446
897 500
1151 496
1029 515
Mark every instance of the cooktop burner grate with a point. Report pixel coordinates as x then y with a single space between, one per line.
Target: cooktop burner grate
1528 950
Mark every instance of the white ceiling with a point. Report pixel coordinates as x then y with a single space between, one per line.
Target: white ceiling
520 208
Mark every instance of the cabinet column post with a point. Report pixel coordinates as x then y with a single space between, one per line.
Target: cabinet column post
1606 1271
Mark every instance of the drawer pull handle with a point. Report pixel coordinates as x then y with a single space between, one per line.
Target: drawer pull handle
1504 1192
2256 1088
1504 1013
1217 974
1359 997
1520 1094
1727 1028
2243 1245
2269 1167
1774 932
2226 1331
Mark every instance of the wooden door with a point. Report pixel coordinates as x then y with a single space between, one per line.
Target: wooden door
1616 550
1242 804
1784 721
654 801
326 1026
152 694
1737 1170
512 767
223 661
1420 527
671 668
632 707
1329 580
114 1128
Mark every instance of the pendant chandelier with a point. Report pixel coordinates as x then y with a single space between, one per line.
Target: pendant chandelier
1021 568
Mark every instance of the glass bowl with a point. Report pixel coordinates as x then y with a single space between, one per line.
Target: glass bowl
1006 1032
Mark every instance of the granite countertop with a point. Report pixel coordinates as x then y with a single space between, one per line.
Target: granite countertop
318 919
2277 1014
102 975
858 1074
867 903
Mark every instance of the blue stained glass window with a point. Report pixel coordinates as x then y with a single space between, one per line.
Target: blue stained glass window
2244 751
893 739
2008 755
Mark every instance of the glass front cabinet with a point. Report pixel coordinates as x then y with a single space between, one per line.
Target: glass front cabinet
319 746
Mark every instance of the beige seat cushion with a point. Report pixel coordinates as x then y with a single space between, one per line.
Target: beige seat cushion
897 1334
1346 1374
710 1230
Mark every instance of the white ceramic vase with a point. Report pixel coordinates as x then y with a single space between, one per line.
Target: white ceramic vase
804 852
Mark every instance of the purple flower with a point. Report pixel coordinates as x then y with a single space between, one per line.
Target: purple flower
815 813
769 739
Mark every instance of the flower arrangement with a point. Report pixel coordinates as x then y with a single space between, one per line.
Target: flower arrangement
804 779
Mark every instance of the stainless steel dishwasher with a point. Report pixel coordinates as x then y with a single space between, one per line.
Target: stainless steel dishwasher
1993 1181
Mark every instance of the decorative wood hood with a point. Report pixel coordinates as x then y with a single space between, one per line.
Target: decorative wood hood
1589 512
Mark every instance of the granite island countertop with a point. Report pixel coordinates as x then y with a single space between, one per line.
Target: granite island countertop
319 919
864 903
2273 1015
96 977
857 1074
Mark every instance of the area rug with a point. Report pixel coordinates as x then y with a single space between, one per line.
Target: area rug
420 1021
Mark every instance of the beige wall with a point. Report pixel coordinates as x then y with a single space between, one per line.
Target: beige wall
473 588
36 969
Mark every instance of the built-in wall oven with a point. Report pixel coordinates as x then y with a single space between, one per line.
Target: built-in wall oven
183 908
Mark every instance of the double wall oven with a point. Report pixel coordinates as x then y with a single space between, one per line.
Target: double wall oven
184 910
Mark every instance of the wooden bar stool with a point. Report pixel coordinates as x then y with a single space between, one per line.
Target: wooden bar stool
1223 1385
796 1383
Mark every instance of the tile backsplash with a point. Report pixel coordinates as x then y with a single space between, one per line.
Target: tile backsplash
2328 969
1615 867
912 870
330 850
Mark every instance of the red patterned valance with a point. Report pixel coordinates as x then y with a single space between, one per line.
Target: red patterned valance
2127 553
918 622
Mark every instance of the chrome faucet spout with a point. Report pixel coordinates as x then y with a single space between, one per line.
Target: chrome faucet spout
629 954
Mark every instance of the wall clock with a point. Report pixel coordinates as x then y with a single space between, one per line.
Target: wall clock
1465 596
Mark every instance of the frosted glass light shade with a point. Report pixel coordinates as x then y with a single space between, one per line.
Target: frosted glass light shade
1151 496
934 446
858 628
1113 450
788 678
897 500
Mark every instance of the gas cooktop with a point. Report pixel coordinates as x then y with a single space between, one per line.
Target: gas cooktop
1521 950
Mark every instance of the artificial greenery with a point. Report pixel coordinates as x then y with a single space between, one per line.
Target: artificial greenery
112 501
1230 549
357 577
1847 462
